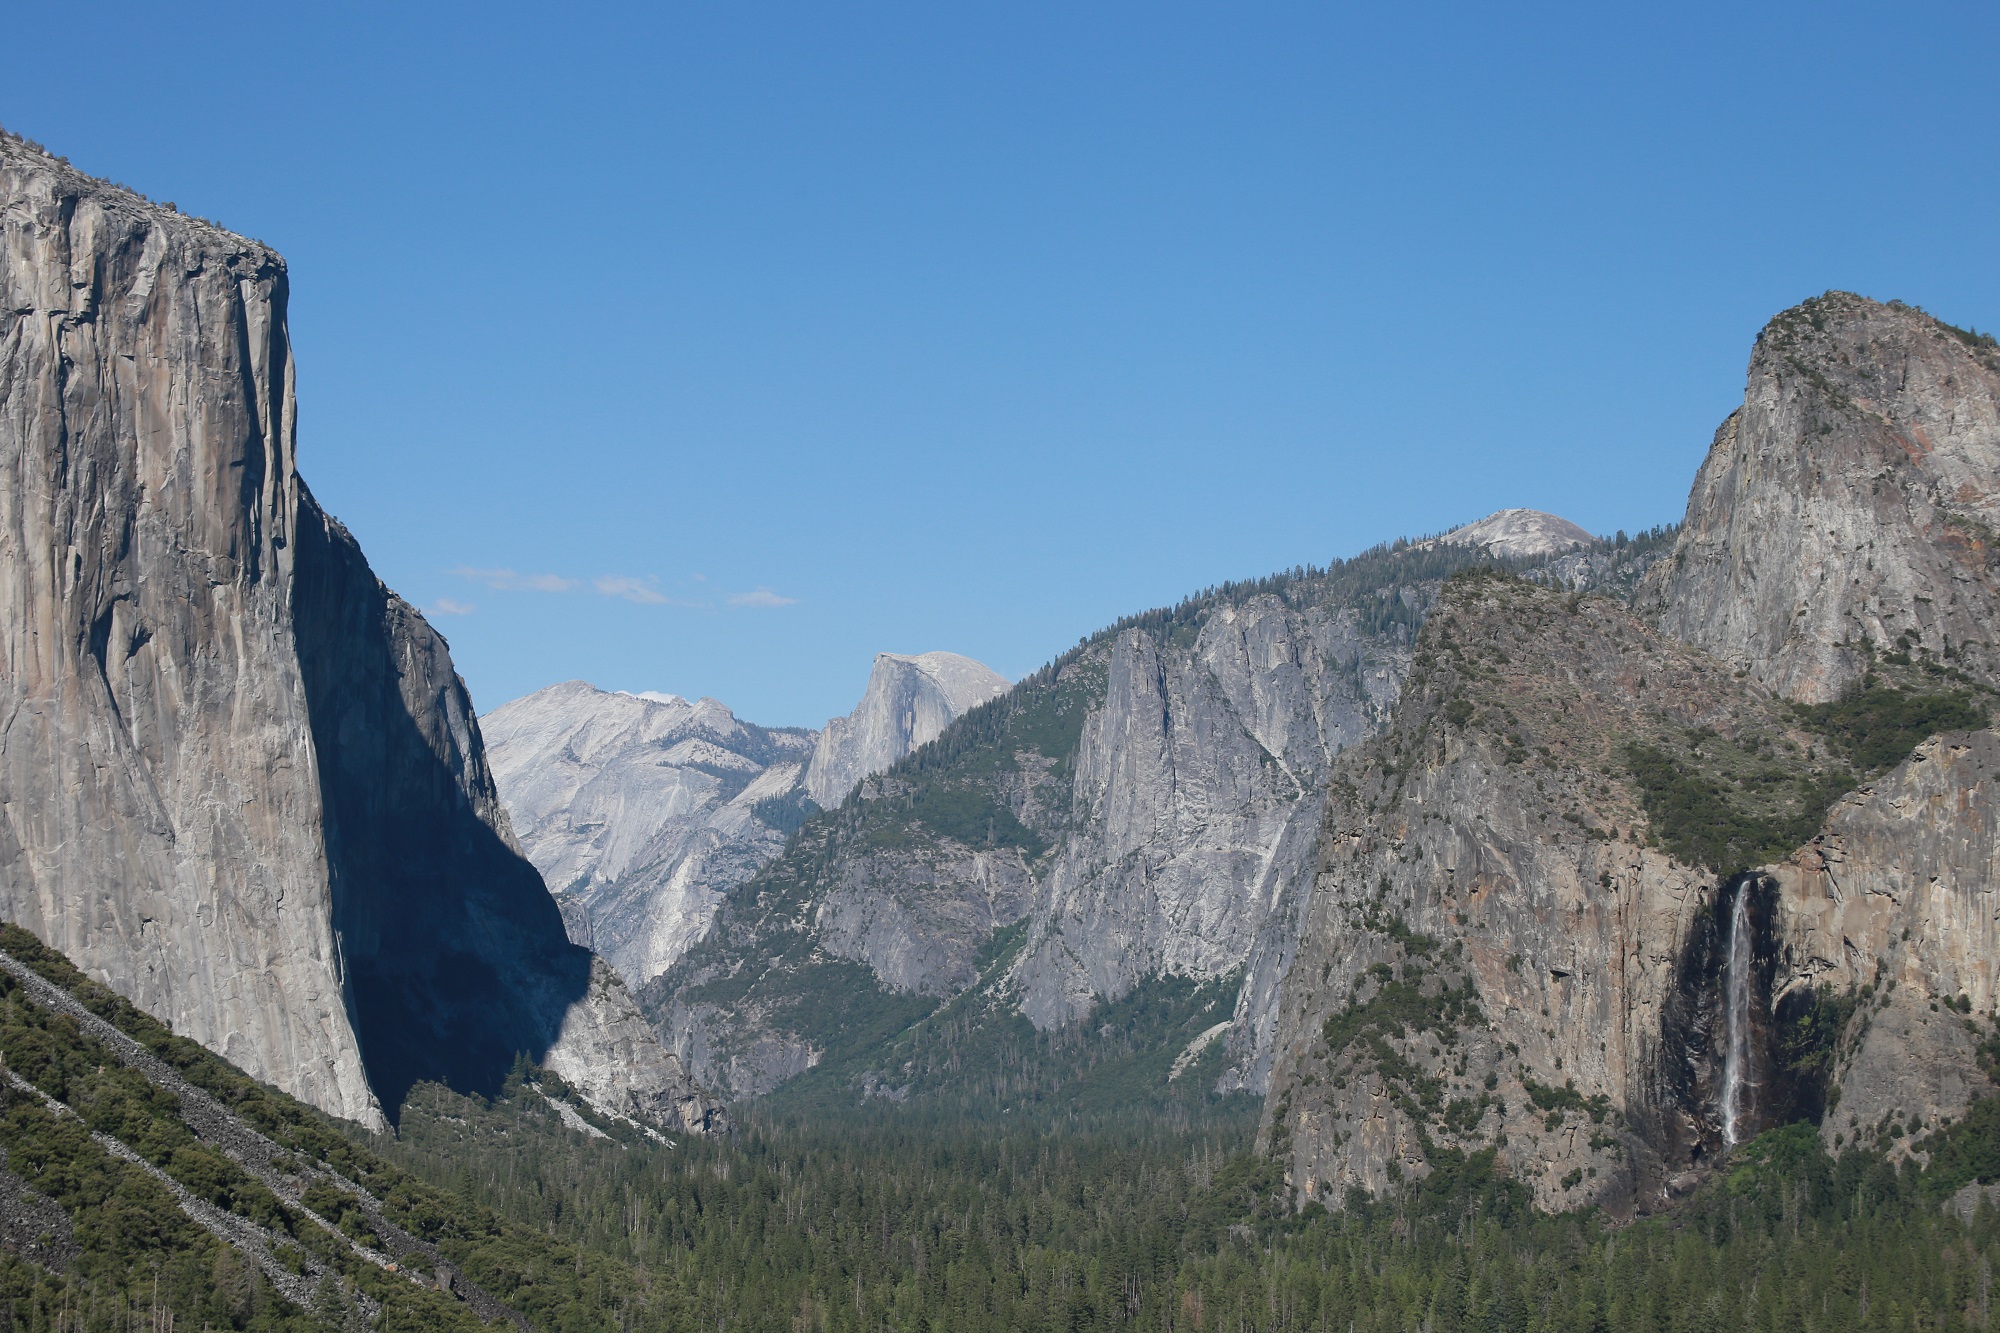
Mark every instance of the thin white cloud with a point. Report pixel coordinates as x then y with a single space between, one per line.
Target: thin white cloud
506 580
626 587
761 597
445 606
631 589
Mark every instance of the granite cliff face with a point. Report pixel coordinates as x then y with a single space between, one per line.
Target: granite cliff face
1144 807
1121 802
1894 903
909 700
1505 948
241 783
641 811
1591 904
163 821
1839 534
1492 935
1849 506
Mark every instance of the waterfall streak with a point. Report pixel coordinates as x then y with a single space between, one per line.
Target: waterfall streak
1736 1001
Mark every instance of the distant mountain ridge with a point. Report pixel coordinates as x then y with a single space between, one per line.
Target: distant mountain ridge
1145 807
643 810
640 810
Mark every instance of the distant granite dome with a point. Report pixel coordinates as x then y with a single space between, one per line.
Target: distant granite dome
1520 534
641 810
909 700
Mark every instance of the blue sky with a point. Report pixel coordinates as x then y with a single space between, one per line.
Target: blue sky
714 348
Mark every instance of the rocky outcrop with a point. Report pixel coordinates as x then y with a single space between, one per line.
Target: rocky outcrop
1521 534
1841 529
242 784
909 700
1499 952
917 916
1897 903
641 811
1188 786
1849 507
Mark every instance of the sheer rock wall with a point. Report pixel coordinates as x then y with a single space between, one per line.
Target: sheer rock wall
1498 954
1494 824
909 700
241 783
1850 505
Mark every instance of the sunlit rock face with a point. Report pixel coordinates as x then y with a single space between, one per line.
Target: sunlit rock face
1487 906
1849 507
1896 896
909 700
641 811
241 782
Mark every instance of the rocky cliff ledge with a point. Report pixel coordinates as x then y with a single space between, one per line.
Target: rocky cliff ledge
242 784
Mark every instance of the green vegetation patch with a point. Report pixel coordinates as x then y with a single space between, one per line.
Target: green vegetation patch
1809 1033
51 1051
1547 1097
872 1219
1965 1152
785 813
962 811
1732 805
1407 1002
1704 816
1876 728
977 1060
143 1258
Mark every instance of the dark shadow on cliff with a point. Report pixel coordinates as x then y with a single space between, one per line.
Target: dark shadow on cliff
453 953
1791 1042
